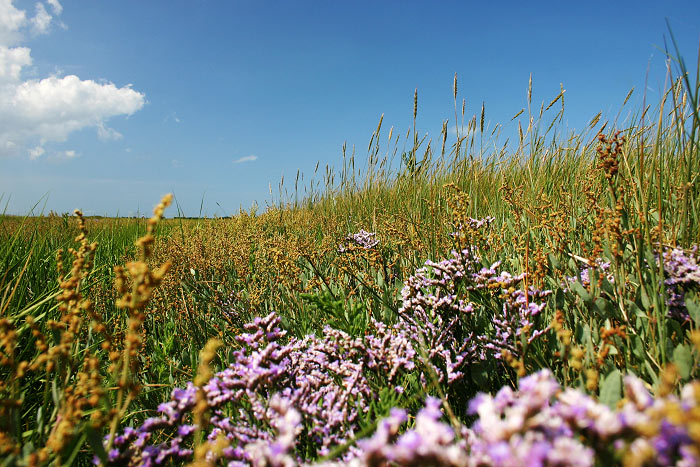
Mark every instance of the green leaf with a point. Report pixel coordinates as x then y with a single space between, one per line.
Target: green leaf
559 298
683 359
55 392
582 292
606 286
554 262
480 374
611 388
649 255
638 348
693 310
636 311
27 450
652 373
77 446
380 279
646 303
95 441
603 307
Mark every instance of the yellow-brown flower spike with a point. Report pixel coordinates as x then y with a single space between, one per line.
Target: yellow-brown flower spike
668 378
143 280
592 378
204 374
609 153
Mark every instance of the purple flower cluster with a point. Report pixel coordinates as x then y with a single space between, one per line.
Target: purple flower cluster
361 239
542 424
516 320
276 396
431 315
472 225
682 275
271 393
526 427
436 309
601 266
429 442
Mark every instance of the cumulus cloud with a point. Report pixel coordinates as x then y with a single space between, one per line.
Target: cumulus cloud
34 112
250 158
11 21
11 63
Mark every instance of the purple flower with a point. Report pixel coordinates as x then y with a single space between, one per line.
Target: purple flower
361 239
272 391
438 315
682 275
601 267
430 442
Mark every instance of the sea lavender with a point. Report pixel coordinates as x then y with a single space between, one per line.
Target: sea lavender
541 424
429 442
516 319
431 313
600 266
272 392
361 239
472 225
286 421
229 305
682 275
436 312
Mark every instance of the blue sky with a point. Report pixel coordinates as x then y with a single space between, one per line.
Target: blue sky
108 105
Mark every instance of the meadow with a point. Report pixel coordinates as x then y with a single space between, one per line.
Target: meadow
452 301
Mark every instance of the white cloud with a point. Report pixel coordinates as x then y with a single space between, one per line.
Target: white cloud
56 7
172 116
36 152
106 133
11 21
69 154
461 129
250 158
34 112
42 20
11 63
